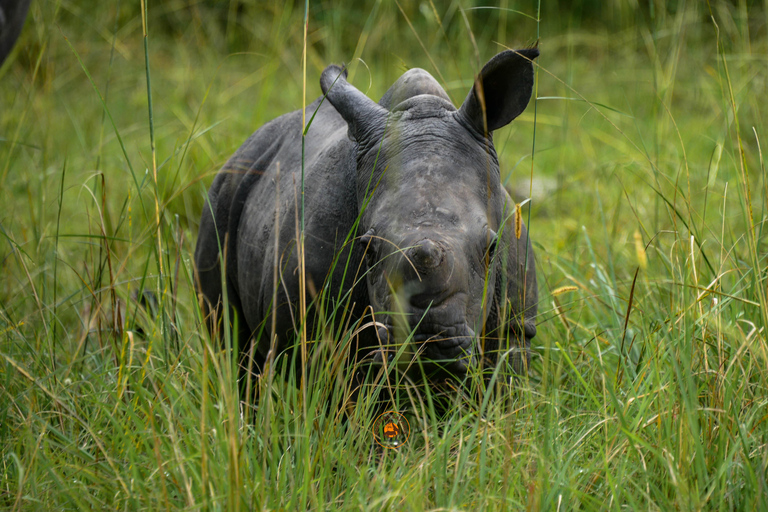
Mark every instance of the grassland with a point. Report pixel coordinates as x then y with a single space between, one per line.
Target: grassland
643 157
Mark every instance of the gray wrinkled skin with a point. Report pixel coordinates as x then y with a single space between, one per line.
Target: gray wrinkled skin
444 271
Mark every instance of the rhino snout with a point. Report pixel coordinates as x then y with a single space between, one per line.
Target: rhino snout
451 351
439 348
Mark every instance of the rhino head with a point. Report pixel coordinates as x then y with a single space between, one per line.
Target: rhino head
432 203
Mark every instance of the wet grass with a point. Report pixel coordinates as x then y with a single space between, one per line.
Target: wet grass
648 183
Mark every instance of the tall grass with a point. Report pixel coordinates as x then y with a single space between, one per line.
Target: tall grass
649 383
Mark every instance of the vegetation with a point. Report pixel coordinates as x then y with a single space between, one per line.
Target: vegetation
643 157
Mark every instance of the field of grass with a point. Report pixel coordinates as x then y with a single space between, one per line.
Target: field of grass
643 156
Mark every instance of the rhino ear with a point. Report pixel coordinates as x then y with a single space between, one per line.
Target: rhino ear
362 114
501 91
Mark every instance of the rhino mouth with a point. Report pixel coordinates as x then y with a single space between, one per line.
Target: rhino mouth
436 349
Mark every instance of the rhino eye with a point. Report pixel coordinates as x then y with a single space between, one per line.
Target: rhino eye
492 243
371 245
370 256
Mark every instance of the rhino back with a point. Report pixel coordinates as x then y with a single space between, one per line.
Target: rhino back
273 202
238 175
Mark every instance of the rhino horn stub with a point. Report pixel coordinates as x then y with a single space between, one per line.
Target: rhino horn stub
425 255
362 114
501 91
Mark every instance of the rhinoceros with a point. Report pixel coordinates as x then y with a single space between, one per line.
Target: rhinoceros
13 13
407 227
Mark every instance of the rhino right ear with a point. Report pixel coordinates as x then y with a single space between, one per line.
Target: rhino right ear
501 91
364 116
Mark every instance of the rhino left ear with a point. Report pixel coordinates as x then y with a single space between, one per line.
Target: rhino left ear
363 115
501 91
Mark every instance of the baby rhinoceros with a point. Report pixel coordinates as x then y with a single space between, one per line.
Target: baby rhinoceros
410 240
